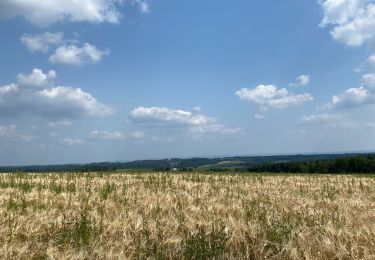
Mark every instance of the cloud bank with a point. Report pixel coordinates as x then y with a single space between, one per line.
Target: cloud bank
163 117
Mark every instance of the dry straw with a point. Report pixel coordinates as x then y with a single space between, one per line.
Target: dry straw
186 216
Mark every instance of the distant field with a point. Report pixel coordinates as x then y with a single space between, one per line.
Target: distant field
186 216
228 164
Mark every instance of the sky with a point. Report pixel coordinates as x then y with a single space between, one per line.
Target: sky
119 80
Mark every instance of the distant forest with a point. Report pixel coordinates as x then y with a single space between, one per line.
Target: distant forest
355 164
312 163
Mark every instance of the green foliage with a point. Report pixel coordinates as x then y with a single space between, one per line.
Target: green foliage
106 190
76 232
203 245
71 187
25 186
357 164
56 188
329 191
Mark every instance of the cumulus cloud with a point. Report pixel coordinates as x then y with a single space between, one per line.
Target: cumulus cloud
356 97
71 141
44 13
34 94
301 80
68 51
352 21
74 55
106 135
42 42
162 116
353 97
175 118
269 96
36 79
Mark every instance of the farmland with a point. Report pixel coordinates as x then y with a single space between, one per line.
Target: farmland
124 215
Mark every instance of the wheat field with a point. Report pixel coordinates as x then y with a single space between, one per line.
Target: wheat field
124 215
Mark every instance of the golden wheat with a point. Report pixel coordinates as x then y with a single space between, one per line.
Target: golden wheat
186 216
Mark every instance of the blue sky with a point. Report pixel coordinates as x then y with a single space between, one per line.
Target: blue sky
117 80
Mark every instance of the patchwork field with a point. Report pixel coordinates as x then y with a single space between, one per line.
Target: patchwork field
186 216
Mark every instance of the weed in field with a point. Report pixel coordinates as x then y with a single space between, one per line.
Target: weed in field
203 245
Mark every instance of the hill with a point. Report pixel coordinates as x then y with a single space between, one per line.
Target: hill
272 163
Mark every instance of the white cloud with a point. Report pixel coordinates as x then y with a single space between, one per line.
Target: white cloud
8 89
356 97
37 79
369 80
34 94
42 42
301 80
144 6
106 135
44 13
371 60
162 116
353 21
73 101
8 130
321 118
59 124
11 132
269 96
174 118
68 50
74 55
71 141
137 134
340 11
353 97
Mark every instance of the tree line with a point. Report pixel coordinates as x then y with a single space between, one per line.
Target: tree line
355 164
